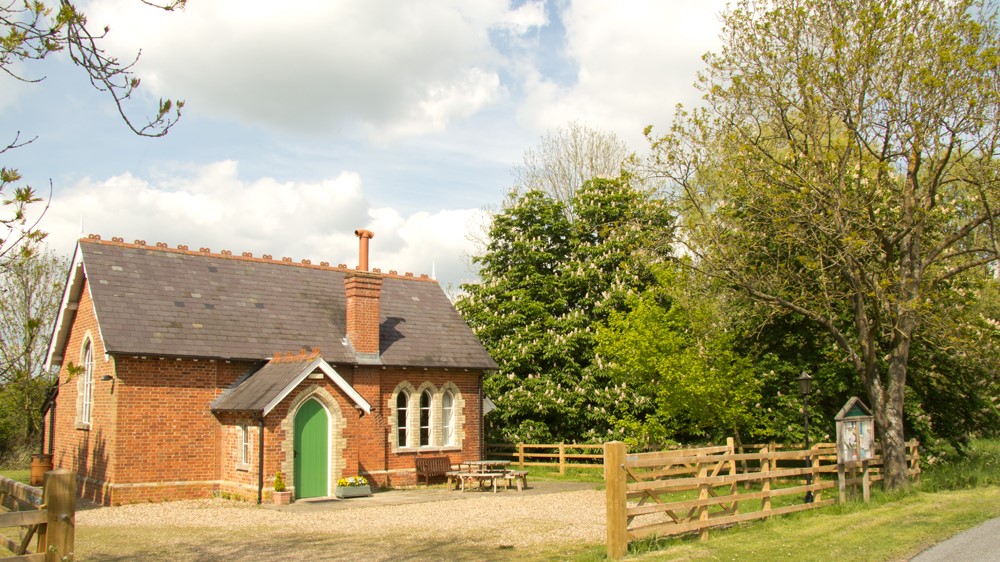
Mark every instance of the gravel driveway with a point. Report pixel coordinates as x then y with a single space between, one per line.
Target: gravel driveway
422 524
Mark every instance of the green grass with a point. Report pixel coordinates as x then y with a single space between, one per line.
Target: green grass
595 475
19 475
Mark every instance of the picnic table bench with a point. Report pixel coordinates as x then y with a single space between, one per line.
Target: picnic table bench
487 472
432 467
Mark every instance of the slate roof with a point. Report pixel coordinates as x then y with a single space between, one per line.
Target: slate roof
175 302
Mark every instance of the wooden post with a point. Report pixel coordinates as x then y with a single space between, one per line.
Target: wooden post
765 469
520 455
60 501
734 487
703 492
842 482
915 462
562 459
866 483
818 495
615 493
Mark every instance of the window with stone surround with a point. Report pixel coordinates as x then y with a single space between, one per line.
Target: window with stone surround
402 419
425 418
85 387
432 416
244 456
447 418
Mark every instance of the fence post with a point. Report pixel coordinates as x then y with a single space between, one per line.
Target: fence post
562 459
866 483
60 500
733 488
818 496
765 468
615 495
842 482
915 462
520 455
703 490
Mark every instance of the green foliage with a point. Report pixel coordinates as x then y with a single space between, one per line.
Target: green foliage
977 467
844 170
683 377
546 284
30 292
32 31
279 482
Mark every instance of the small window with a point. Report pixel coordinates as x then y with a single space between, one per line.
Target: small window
244 444
448 418
402 419
425 418
87 384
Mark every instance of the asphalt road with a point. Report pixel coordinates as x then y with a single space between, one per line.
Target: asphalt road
980 543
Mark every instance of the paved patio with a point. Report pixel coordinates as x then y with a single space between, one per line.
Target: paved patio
427 494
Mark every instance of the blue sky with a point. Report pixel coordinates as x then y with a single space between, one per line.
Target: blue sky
306 121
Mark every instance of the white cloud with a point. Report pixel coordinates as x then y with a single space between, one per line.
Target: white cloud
525 17
384 67
635 59
211 206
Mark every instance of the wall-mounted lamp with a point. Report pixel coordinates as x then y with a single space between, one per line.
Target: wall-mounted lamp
106 378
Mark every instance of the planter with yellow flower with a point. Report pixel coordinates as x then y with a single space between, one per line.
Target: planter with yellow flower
281 494
353 487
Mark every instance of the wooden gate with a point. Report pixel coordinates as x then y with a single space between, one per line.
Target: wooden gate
52 525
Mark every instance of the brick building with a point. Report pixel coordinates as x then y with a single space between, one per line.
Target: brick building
188 373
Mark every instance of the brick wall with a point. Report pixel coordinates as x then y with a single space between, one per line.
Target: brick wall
384 462
82 449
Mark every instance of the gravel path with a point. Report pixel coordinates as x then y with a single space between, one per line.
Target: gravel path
476 522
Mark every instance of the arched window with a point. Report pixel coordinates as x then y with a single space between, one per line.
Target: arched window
448 418
425 418
87 384
402 419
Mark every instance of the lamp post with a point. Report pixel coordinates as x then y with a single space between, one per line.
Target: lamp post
805 386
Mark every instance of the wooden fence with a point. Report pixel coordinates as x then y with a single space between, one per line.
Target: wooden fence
562 455
692 490
52 521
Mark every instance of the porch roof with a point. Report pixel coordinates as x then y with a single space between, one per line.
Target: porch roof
264 389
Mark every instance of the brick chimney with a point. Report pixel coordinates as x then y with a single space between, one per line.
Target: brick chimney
363 289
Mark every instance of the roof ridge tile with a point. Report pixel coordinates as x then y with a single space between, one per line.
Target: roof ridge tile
247 256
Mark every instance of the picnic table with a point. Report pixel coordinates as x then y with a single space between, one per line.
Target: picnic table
487 472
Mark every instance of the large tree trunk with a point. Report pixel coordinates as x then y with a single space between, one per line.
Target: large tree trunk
888 407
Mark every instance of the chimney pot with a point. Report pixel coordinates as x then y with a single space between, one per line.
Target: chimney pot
363 237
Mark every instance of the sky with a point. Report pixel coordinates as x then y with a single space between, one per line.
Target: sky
305 121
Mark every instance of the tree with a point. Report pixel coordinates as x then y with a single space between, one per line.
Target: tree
844 169
566 159
546 284
33 31
30 293
680 367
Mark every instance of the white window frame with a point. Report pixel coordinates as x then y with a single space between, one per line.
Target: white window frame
447 418
86 386
245 445
402 414
426 418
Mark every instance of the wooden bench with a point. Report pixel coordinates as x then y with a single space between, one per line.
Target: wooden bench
431 467
519 477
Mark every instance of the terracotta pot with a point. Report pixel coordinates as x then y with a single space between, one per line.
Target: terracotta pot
282 498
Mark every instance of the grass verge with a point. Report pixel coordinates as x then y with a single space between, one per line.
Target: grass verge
19 475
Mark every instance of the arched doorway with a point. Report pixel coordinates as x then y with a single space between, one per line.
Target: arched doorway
312 455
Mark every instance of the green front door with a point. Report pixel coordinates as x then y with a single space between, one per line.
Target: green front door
311 454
